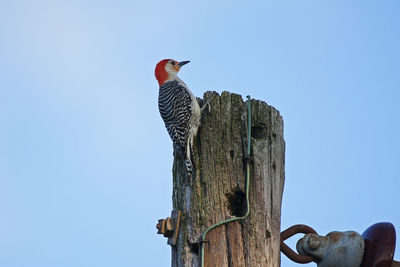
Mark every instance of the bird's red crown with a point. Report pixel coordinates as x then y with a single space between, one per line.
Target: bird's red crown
160 72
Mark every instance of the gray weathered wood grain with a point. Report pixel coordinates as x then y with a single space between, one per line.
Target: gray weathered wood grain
217 189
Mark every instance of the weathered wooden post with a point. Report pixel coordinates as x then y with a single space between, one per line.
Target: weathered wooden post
216 191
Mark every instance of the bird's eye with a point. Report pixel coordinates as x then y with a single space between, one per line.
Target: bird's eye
173 62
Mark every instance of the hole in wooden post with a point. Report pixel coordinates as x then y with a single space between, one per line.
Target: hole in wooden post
267 234
259 131
236 203
194 248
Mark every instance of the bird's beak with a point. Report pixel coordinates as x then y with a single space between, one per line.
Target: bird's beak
180 64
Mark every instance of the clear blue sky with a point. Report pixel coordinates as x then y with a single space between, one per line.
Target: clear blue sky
85 161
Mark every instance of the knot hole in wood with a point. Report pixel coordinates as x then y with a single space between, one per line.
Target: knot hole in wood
259 131
236 202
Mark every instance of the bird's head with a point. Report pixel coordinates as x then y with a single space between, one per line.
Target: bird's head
167 69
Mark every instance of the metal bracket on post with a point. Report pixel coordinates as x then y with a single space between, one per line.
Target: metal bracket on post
169 227
375 247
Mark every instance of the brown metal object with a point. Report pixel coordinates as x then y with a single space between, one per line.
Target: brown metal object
164 227
169 227
291 231
380 241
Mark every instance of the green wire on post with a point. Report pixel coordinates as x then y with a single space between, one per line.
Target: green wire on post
203 237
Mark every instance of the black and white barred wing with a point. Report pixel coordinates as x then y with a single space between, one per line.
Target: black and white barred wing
174 103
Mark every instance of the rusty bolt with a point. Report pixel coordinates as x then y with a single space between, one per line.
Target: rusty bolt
314 242
165 227
169 227
161 226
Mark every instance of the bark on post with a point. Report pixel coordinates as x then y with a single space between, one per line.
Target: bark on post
217 190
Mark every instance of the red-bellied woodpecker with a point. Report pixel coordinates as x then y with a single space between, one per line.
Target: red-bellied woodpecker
178 108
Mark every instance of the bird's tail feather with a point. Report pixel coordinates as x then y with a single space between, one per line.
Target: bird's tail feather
189 166
189 155
186 158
